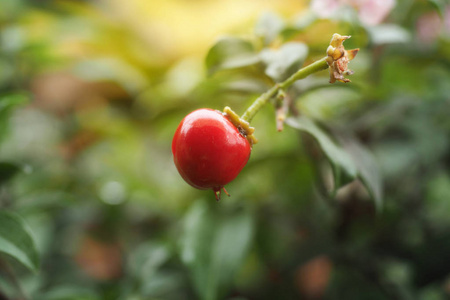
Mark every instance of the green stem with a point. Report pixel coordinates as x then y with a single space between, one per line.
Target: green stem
300 74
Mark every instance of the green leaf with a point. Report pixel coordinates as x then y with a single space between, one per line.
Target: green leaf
344 169
245 85
304 20
11 100
349 159
7 104
368 170
214 247
282 62
7 171
388 34
11 9
16 240
439 5
437 204
67 292
150 278
163 285
147 258
232 240
268 27
230 53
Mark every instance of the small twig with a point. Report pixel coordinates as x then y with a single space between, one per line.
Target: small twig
300 74
336 61
282 108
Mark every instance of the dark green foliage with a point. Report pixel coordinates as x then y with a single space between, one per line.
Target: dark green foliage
350 201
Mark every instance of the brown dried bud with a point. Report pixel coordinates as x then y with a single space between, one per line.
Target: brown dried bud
338 58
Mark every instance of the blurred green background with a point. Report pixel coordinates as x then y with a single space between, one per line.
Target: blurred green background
91 93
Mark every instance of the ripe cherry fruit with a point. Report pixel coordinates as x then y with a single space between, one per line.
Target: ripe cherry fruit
209 151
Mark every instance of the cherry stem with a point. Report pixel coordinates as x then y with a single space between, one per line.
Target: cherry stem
304 72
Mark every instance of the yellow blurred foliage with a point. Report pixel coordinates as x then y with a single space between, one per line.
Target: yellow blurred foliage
133 41
180 27
169 29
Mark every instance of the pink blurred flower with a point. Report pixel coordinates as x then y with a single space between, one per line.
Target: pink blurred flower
325 8
370 12
430 25
373 12
447 22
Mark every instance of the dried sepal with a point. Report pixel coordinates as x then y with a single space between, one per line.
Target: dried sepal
338 58
242 125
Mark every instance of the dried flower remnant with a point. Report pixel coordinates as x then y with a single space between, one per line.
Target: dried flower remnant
338 58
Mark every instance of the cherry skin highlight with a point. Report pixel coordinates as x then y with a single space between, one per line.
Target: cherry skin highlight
208 150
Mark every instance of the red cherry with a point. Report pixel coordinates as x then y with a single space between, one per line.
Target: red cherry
208 150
